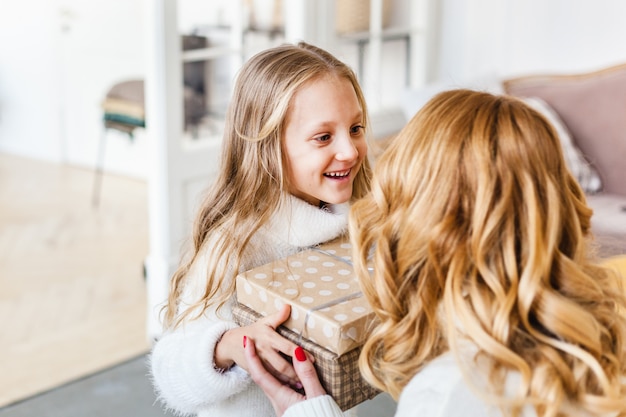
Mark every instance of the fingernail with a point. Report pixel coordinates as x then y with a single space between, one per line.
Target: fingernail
245 340
300 355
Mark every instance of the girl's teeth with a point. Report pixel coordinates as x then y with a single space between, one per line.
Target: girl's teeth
337 174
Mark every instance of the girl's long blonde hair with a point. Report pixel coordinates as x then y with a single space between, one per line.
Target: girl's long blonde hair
251 180
474 217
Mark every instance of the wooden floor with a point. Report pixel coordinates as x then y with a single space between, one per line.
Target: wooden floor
72 292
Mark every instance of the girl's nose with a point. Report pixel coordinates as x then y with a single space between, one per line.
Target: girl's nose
346 151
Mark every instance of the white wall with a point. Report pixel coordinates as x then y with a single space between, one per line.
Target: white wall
30 76
57 60
482 38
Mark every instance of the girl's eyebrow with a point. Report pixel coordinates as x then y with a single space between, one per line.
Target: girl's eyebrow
358 115
325 124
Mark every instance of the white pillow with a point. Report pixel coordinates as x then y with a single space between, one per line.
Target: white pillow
587 176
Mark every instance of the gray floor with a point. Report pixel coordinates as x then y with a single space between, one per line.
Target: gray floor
121 391
380 406
125 391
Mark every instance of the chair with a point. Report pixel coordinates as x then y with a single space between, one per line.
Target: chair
124 108
124 111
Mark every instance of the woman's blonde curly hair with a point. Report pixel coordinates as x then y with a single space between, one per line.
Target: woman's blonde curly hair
479 232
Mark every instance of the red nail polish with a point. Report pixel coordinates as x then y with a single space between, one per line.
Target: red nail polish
245 340
300 355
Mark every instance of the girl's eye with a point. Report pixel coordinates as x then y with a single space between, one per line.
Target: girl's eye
323 138
355 130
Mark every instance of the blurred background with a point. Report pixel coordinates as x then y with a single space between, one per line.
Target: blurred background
111 115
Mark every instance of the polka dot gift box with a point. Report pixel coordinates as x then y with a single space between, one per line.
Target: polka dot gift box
327 307
329 316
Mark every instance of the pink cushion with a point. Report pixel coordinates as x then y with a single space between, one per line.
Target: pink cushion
583 171
593 107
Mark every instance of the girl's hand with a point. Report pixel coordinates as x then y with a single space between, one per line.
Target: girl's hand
269 345
280 395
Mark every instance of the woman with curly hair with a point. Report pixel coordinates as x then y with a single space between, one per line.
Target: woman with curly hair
488 297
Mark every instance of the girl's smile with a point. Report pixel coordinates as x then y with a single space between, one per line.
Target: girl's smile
338 175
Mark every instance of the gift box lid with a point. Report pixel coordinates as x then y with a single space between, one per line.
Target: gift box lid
319 283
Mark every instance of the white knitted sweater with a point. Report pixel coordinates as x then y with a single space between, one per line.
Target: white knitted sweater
182 360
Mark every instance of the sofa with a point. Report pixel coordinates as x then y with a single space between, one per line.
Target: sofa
588 111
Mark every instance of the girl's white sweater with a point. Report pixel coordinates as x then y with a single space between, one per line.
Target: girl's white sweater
182 367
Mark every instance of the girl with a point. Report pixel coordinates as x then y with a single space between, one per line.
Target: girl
294 157
488 300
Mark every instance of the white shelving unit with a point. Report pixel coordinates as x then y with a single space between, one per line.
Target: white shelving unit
410 64
179 169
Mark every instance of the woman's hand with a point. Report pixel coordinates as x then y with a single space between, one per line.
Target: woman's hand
280 395
269 345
